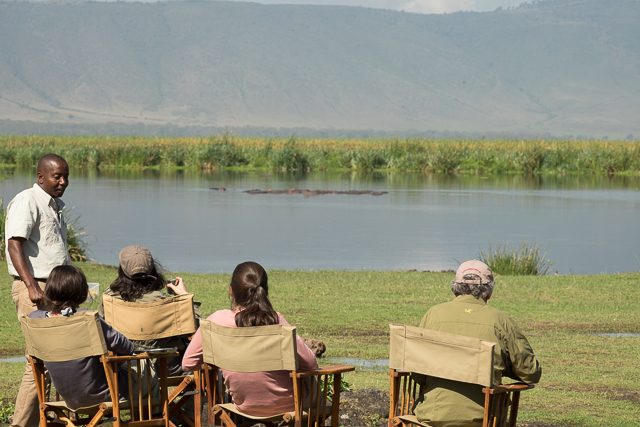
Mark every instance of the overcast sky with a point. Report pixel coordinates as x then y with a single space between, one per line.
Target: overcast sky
419 6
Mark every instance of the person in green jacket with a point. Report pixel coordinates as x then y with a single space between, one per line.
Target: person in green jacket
451 403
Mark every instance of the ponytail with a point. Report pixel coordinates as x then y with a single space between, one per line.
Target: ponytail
250 292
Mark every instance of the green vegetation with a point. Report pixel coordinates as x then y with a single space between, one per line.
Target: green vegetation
445 157
3 215
525 261
589 377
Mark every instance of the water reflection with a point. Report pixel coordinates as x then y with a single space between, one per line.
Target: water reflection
584 224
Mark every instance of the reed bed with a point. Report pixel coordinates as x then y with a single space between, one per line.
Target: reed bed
442 157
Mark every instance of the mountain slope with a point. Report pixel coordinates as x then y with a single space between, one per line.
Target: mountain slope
561 67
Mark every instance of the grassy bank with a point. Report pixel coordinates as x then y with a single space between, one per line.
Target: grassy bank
499 157
589 379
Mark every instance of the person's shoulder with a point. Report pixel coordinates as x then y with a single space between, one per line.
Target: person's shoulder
153 296
440 307
224 317
281 319
26 196
503 318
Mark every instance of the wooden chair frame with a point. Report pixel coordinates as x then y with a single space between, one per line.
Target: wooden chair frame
316 393
501 401
159 319
137 409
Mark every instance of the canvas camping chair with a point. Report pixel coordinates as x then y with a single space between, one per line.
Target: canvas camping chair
316 394
153 320
449 356
47 340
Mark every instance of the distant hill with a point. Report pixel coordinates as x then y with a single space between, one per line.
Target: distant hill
561 68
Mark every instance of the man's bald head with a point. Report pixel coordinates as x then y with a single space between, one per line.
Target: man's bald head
53 174
48 160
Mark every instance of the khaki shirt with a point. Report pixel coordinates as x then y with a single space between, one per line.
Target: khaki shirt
37 217
451 403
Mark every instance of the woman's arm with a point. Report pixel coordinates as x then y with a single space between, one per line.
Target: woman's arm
115 341
192 358
306 357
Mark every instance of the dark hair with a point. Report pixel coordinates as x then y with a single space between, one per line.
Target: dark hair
250 293
133 288
66 287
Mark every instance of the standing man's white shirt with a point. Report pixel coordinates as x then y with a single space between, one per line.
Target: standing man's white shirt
37 217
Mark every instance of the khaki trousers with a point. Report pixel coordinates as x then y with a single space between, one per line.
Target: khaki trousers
27 413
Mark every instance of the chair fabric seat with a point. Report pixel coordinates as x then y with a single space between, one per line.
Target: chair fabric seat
412 419
231 407
61 404
287 416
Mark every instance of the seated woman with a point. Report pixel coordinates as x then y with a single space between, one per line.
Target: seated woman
66 289
140 280
250 306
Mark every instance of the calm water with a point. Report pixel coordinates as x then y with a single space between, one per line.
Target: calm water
584 226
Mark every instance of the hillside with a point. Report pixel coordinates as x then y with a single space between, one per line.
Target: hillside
560 67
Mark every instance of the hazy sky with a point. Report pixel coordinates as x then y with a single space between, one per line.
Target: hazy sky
419 6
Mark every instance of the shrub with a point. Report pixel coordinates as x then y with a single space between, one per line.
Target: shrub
75 237
524 261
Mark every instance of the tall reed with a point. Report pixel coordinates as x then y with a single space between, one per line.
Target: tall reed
442 157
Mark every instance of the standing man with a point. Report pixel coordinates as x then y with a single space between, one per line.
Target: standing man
36 242
451 403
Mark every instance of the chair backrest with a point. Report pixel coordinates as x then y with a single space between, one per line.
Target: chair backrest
162 318
441 354
58 339
249 349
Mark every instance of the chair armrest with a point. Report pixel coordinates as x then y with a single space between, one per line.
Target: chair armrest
505 388
327 370
517 386
161 353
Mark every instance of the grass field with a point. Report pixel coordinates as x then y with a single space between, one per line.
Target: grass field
442 157
589 377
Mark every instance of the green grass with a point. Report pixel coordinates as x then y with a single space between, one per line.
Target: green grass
301 155
588 379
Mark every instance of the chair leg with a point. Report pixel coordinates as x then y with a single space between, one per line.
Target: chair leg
513 413
225 418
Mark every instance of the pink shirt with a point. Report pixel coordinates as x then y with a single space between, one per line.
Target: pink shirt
256 393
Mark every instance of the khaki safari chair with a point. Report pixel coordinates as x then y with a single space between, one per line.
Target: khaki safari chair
449 356
47 340
316 394
152 320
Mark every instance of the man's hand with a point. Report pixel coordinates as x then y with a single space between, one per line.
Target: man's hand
20 263
35 293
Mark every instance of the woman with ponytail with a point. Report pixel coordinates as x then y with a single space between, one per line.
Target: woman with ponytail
250 306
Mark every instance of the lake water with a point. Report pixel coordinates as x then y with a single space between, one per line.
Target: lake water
425 223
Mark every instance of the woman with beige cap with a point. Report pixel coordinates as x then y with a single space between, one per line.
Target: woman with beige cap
140 279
